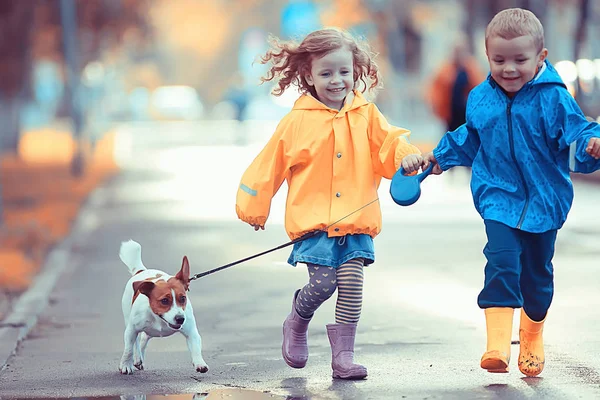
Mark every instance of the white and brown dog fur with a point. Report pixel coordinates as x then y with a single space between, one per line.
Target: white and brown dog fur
155 304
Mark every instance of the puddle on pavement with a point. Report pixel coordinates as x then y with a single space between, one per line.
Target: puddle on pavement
219 394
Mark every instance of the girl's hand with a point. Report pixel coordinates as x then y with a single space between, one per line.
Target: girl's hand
257 227
593 147
412 163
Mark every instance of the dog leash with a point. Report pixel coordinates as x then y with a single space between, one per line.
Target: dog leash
297 240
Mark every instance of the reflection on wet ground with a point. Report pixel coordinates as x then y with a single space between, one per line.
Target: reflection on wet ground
218 394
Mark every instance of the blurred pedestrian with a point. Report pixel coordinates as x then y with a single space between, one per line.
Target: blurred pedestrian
449 89
451 84
333 148
238 95
520 125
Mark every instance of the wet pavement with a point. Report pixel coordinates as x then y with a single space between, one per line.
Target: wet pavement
421 334
224 394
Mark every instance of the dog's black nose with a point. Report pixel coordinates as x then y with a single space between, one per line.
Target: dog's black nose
179 320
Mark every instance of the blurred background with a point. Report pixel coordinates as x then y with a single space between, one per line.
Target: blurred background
81 80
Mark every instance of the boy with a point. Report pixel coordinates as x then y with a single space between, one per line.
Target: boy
520 124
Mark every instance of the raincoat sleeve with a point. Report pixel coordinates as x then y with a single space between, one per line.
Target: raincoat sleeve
458 148
265 175
572 130
389 144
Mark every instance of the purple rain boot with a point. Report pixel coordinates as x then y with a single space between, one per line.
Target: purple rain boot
341 338
295 348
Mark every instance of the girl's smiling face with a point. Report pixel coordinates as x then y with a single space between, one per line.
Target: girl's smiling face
332 76
514 62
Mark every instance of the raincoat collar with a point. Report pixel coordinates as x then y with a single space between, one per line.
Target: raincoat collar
548 75
308 102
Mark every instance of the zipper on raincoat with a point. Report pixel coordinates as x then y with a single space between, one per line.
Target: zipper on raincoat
512 152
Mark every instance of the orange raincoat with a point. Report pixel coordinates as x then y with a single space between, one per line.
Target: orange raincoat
333 162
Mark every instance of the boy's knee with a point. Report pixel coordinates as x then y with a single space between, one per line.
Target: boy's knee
509 259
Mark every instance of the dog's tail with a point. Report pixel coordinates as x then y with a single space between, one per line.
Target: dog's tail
131 254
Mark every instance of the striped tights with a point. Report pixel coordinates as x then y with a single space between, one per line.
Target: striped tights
323 281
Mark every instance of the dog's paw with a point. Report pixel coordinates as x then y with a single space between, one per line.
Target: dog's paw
126 368
202 368
139 365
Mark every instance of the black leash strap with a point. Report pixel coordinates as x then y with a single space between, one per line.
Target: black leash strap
297 240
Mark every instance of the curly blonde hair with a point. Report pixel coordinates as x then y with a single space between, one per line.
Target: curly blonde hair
292 61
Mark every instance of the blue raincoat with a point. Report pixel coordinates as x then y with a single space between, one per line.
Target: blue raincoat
519 151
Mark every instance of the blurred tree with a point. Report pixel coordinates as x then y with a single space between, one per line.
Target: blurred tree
14 38
470 23
345 13
398 24
31 31
15 33
580 34
201 42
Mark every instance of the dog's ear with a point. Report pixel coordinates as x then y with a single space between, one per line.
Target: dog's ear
144 287
184 273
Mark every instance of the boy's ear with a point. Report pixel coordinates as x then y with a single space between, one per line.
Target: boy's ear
543 55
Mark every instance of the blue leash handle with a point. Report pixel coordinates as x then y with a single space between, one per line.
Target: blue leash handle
406 189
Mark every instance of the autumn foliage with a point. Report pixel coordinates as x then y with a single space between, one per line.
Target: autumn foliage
41 199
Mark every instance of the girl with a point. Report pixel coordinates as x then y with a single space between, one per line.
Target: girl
332 149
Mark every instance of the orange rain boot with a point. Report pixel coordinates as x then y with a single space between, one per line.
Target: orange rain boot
531 353
499 321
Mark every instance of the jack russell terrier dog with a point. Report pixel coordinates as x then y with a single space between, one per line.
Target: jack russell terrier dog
155 304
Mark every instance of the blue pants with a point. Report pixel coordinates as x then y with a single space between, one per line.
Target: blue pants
519 270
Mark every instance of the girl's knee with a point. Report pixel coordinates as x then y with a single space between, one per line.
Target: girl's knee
324 288
350 273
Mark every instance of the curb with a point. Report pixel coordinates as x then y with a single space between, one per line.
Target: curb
31 303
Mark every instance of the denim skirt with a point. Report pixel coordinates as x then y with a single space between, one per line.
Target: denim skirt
333 251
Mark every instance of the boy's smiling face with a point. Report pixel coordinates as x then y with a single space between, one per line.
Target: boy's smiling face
514 62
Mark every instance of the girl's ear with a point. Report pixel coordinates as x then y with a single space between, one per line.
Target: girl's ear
309 79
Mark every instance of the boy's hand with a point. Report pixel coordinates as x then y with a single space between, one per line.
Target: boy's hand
593 147
412 163
429 158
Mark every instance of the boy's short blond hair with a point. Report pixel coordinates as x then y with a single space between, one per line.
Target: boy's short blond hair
515 22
